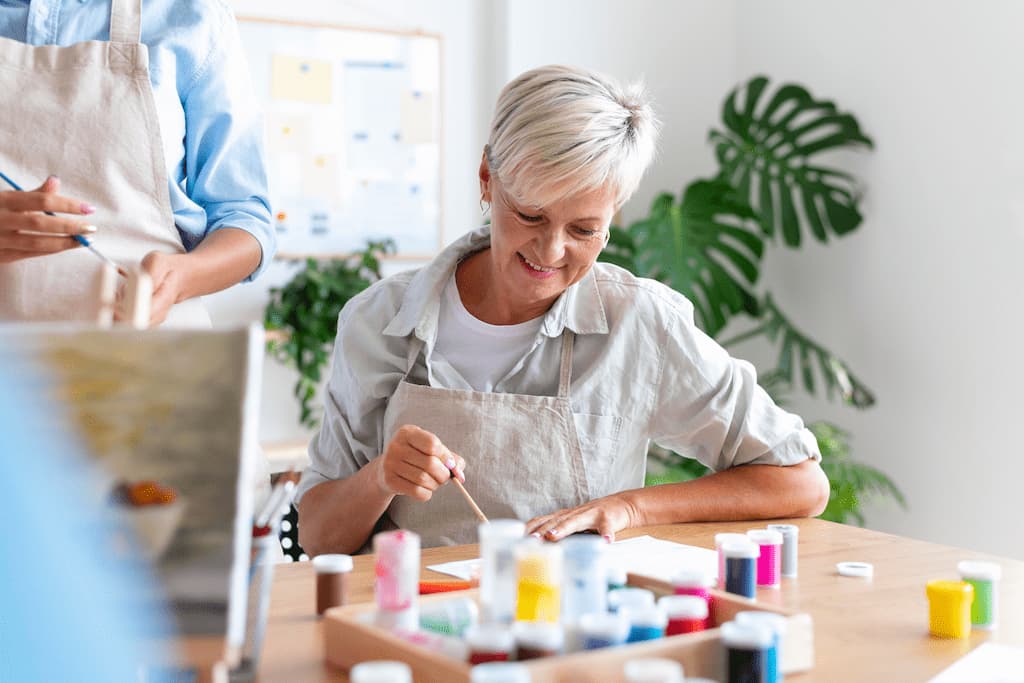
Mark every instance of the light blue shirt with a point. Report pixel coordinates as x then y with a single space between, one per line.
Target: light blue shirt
209 121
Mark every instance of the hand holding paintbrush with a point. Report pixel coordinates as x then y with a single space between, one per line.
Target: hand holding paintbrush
25 234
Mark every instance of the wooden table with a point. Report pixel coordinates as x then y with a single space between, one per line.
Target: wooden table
864 630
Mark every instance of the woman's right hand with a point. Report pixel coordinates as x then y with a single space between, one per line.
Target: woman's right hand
23 211
416 463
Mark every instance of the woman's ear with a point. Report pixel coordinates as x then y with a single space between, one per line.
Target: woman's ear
485 178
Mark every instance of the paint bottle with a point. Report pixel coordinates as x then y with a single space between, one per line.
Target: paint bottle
498 539
586 579
720 540
685 613
984 577
333 574
499 672
538 639
489 643
777 624
746 652
397 572
629 597
381 671
539 580
645 623
696 582
741 567
617 576
449 617
769 562
949 608
603 630
790 547
653 670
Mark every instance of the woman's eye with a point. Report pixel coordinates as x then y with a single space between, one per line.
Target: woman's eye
528 218
585 232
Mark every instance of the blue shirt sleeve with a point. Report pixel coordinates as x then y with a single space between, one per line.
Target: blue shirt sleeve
224 157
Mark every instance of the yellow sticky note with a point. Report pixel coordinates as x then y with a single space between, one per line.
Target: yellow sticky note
321 177
302 79
417 118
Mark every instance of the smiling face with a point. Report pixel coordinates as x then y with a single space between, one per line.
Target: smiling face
536 252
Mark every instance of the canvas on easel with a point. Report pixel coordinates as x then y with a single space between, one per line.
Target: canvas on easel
169 416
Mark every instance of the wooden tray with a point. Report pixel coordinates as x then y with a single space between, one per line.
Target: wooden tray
348 640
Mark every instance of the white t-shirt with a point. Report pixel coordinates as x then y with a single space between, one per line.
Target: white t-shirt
482 353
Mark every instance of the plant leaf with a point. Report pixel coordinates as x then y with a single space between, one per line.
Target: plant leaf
706 247
765 153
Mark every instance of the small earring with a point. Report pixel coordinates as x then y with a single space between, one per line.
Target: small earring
484 206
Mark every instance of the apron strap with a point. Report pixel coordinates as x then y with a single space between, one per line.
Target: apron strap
565 368
125 21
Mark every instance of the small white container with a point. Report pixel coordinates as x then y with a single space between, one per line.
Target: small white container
653 670
382 671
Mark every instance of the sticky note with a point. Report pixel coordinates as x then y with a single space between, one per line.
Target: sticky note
288 132
300 79
417 118
320 176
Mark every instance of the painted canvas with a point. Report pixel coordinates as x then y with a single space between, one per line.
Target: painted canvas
169 416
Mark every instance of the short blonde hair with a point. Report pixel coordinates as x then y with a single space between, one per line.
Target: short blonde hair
559 131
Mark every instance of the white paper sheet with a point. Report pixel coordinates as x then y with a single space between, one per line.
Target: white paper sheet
641 555
987 663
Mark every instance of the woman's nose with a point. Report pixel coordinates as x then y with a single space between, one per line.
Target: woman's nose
551 246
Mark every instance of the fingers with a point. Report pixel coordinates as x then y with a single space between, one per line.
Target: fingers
594 516
41 201
416 463
428 444
20 245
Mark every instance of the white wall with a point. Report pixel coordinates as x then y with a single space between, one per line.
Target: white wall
684 51
922 300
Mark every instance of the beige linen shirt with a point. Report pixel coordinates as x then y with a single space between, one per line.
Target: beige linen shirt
642 371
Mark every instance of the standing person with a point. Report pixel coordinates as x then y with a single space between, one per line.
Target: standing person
515 362
141 121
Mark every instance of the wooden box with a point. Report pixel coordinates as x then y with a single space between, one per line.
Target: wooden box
349 639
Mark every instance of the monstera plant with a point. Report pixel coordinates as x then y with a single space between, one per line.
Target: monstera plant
772 189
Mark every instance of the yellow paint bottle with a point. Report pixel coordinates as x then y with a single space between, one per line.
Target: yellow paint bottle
539 584
949 608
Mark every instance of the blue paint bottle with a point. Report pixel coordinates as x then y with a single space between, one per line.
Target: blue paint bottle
746 652
778 625
645 623
741 567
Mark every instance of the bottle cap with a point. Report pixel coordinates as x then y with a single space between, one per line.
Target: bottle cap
381 671
861 570
684 607
765 537
332 564
746 636
653 670
979 571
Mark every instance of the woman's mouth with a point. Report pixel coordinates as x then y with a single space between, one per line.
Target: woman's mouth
536 270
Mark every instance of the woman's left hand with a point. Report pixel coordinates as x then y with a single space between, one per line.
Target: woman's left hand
606 516
166 272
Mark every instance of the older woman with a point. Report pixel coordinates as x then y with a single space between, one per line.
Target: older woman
535 375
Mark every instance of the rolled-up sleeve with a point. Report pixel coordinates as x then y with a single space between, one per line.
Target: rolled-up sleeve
710 407
364 373
224 156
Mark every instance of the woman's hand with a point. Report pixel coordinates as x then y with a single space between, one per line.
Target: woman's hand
416 463
23 211
606 516
167 273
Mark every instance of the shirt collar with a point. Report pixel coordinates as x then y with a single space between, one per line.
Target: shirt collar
579 308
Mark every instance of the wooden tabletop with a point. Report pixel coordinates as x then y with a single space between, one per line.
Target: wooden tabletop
864 630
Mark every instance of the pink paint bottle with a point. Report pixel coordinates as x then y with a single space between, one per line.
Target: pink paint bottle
769 563
397 573
697 583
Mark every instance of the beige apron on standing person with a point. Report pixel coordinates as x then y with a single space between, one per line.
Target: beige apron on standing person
86 113
523 455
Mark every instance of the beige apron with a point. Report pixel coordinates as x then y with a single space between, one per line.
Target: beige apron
523 456
86 113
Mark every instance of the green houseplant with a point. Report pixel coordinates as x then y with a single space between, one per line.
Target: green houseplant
771 189
304 313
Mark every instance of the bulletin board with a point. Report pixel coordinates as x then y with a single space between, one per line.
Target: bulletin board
353 135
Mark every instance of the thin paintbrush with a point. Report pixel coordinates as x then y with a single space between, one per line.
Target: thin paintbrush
469 499
78 238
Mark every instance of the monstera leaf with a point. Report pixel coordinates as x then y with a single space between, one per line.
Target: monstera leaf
767 153
707 247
